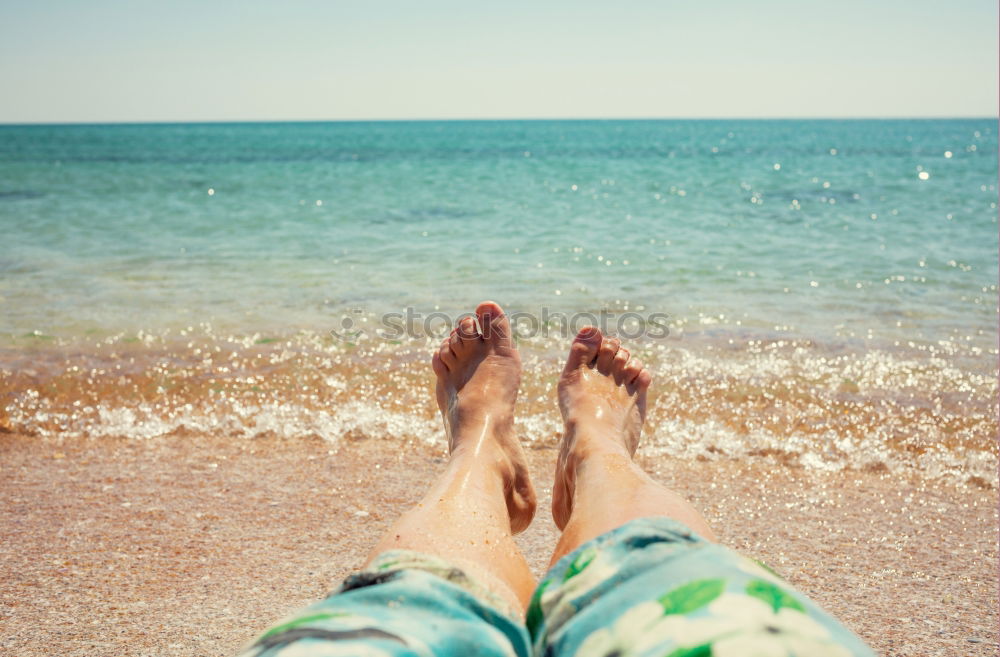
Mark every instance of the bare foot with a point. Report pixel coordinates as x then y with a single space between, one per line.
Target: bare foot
478 374
602 397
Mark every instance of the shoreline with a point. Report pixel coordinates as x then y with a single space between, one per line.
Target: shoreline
192 545
794 403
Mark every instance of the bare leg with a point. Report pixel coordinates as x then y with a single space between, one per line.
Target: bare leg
598 487
484 496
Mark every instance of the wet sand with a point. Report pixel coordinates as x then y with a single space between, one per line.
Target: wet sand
189 545
815 405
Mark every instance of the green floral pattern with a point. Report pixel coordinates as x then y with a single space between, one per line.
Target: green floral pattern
654 589
648 589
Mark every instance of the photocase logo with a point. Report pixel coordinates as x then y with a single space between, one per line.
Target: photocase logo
350 329
410 323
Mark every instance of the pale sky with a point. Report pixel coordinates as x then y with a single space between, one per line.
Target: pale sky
180 60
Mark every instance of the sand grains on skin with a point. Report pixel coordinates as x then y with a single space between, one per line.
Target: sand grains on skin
478 373
602 398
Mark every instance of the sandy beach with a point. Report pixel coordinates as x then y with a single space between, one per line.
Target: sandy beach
189 545
234 245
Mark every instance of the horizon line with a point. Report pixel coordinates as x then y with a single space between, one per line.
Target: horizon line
496 120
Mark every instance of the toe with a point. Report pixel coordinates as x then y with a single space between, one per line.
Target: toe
495 325
584 349
643 380
438 365
606 354
618 365
464 335
446 354
456 343
467 327
632 370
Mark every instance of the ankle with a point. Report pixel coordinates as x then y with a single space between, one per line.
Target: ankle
583 465
476 422
586 445
482 455
585 440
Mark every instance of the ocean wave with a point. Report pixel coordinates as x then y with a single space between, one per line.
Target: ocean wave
797 404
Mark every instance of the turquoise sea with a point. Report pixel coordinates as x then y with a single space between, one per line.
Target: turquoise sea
872 241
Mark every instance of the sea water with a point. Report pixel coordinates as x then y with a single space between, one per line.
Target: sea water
820 289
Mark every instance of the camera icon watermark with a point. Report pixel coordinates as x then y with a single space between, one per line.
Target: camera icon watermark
350 325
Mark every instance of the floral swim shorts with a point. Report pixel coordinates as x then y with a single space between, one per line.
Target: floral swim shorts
649 588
